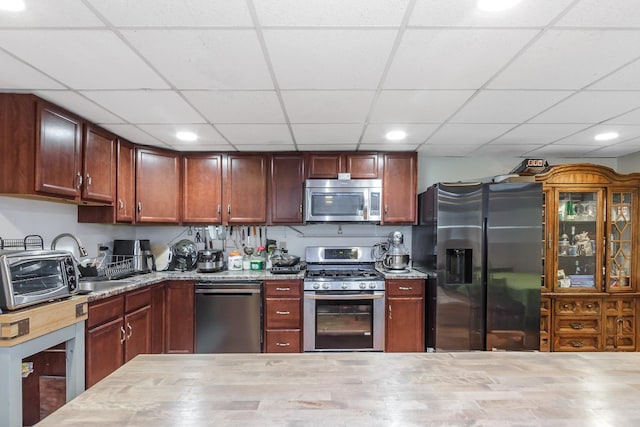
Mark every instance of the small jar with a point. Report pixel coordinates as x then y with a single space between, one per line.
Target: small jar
246 262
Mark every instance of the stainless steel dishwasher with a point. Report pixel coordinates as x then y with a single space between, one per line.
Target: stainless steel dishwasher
228 317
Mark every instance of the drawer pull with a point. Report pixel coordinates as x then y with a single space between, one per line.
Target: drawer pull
283 289
283 344
589 306
283 313
577 325
565 306
405 288
576 344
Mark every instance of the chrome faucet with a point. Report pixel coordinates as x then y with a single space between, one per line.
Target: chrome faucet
81 249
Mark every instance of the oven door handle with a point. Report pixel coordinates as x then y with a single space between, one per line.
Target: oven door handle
345 297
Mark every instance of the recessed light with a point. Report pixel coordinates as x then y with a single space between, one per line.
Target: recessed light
12 5
396 135
496 5
606 136
186 136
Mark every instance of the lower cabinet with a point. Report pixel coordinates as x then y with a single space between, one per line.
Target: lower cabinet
405 315
282 316
117 330
179 320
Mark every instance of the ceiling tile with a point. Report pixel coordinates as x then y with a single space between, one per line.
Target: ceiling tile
237 106
47 13
133 134
599 13
447 150
327 147
561 151
204 59
569 59
492 150
207 135
418 106
266 134
630 118
464 13
515 106
388 146
147 107
586 137
191 13
616 150
216 147
79 105
252 148
327 106
329 59
590 107
624 79
416 134
17 75
537 133
467 133
452 58
330 12
89 60
327 133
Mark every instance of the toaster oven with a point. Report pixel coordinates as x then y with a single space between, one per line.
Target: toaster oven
33 276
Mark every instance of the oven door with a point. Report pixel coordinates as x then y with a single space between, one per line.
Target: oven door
344 321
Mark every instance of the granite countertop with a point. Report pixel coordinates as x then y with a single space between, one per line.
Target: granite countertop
522 389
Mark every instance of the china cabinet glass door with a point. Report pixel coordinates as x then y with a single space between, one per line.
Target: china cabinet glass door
620 241
579 259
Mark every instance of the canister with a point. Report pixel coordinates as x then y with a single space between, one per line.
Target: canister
234 261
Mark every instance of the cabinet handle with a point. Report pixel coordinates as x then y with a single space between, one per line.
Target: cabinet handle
88 180
405 288
123 335
219 209
78 180
611 244
283 344
386 209
589 306
130 330
577 325
390 313
576 344
139 206
300 207
120 204
229 209
283 289
283 313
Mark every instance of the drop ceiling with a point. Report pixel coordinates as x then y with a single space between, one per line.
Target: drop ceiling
538 80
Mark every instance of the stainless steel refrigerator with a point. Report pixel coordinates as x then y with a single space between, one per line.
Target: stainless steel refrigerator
481 245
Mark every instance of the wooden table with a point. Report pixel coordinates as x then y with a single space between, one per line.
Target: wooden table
364 389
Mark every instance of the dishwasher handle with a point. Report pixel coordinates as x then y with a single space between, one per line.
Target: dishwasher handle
213 291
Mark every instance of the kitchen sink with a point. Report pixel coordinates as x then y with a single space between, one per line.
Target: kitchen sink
87 286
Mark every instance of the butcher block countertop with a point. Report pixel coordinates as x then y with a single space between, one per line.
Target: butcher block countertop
364 389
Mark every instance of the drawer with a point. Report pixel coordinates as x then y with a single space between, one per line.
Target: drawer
282 341
577 306
586 325
576 343
135 299
406 287
283 289
282 313
102 311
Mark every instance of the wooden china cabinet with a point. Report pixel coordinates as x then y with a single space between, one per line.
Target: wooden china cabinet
589 287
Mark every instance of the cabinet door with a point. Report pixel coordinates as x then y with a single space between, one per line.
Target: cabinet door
324 165
286 189
179 317
362 165
399 186
202 188
126 183
157 186
405 325
246 189
157 318
620 324
99 160
621 266
578 251
104 350
137 326
58 144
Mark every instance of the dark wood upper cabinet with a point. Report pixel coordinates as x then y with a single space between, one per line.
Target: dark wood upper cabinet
99 160
202 188
399 188
245 189
157 186
286 188
126 182
328 165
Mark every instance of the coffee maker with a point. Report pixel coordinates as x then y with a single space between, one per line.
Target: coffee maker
139 251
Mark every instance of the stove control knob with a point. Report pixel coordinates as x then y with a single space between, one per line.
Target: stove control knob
344 285
363 285
325 286
372 285
316 285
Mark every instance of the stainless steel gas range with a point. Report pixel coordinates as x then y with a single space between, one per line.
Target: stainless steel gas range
344 300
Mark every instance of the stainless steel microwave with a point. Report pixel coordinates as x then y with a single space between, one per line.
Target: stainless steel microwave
32 276
343 200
